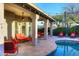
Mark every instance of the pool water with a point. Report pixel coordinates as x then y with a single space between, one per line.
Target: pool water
1 50
66 49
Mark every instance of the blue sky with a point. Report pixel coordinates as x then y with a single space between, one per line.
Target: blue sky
52 8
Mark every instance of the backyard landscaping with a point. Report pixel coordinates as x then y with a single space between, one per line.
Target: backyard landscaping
70 32
62 31
23 36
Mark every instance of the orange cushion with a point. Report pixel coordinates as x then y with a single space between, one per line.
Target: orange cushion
22 37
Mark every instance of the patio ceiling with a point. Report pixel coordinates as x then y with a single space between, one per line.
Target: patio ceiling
17 10
31 7
27 10
40 12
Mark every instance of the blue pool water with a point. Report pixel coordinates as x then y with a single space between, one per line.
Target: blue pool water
1 50
66 48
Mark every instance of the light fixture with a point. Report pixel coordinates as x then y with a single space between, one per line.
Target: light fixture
22 16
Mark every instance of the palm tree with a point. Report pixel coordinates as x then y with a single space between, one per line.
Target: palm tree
58 20
72 12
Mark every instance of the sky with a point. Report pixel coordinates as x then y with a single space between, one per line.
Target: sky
52 8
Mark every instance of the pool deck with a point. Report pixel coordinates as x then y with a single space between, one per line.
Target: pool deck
65 38
44 47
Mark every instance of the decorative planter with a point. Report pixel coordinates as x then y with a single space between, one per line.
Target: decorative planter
61 34
73 34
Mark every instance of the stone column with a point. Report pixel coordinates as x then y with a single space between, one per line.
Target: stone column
30 29
27 29
51 28
46 29
19 27
2 28
35 30
11 29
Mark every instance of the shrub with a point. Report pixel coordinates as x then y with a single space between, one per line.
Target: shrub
75 29
42 30
62 29
58 30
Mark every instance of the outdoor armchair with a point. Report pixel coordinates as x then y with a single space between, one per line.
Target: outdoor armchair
10 48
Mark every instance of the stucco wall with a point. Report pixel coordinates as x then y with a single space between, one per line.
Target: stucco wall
2 25
14 24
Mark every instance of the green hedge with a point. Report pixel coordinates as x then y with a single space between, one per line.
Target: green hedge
75 29
66 30
42 30
61 29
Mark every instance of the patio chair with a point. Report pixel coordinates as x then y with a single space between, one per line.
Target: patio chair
10 48
40 34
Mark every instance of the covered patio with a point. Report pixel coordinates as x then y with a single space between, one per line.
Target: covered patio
23 18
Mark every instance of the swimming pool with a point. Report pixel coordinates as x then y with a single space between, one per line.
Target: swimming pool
1 49
66 48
